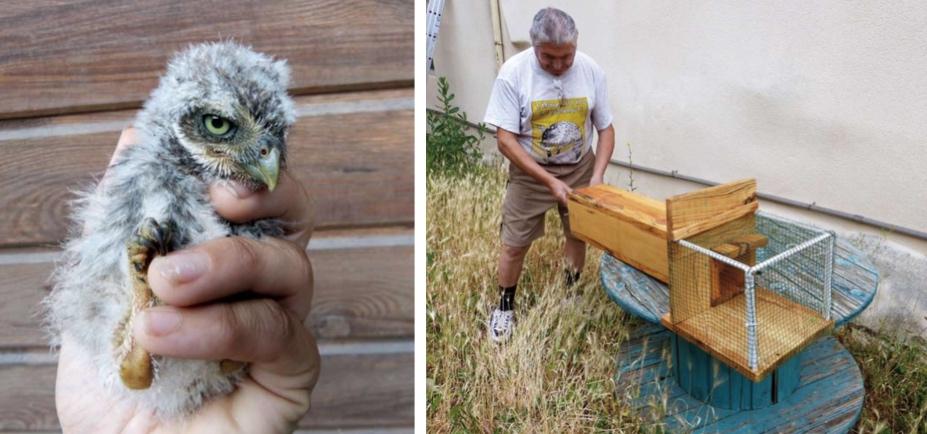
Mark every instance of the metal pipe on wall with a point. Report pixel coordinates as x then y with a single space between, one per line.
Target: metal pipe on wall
497 33
785 201
921 235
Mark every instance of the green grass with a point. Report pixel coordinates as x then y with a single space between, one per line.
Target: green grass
556 373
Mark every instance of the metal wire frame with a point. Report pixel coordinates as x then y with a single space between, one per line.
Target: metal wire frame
751 271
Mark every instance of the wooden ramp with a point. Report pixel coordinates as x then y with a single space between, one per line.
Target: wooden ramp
784 323
828 399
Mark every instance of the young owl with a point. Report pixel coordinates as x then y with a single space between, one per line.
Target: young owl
221 112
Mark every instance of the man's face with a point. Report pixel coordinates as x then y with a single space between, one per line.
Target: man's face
555 59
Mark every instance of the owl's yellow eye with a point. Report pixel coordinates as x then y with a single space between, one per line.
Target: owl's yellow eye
216 125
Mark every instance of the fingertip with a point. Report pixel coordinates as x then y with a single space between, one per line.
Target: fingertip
175 277
233 201
157 281
235 189
127 137
158 321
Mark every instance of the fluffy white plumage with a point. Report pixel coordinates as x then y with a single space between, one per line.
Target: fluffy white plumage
164 177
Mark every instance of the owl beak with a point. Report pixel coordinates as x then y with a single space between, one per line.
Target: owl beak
266 169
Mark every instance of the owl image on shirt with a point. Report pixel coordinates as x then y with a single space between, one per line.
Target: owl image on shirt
558 129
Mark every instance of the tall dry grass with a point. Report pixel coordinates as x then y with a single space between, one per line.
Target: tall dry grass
555 374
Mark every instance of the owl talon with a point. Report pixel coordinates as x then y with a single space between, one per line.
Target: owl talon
230 366
151 239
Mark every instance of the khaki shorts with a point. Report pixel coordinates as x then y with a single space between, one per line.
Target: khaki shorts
526 201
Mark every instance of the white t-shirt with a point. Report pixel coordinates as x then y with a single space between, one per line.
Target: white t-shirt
551 116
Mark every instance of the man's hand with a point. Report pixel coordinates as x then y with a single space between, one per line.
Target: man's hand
560 190
200 321
596 180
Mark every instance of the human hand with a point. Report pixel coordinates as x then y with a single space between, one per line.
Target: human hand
265 329
560 190
596 180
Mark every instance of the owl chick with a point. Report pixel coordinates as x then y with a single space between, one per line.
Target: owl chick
221 112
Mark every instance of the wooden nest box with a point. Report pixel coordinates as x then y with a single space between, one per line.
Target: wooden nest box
735 290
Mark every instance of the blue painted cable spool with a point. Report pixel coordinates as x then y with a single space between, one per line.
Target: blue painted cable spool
820 385
708 380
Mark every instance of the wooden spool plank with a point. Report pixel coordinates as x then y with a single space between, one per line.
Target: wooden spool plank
684 408
364 389
90 55
353 151
634 291
363 288
787 377
830 394
709 380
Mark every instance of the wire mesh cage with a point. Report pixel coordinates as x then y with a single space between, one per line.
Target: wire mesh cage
754 290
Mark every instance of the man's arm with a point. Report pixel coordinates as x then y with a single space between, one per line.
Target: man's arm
511 149
603 154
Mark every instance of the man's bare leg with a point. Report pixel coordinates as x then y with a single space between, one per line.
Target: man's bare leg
511 261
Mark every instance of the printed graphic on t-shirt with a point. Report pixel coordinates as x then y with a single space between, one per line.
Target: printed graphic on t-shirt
558 129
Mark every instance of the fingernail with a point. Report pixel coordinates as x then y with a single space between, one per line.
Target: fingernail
161 322
182 266
236 189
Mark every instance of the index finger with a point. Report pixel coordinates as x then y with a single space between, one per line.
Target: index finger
224 267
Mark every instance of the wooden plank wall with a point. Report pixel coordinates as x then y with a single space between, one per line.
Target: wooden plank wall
72 75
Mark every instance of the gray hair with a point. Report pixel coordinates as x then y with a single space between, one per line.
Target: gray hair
553 26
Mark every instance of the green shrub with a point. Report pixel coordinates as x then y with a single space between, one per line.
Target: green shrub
451 148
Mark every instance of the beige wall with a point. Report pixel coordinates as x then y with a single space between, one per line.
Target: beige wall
464 54
822 102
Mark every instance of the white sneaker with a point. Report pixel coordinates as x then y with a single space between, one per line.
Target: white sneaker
500 325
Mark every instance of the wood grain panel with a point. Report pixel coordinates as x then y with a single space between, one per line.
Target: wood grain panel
354 390
692 213
363 390
354 151
365 292
361 292
78 56
630 226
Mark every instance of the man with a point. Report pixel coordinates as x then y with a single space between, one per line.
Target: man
544 103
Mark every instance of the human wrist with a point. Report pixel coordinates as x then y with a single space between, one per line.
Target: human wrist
551 182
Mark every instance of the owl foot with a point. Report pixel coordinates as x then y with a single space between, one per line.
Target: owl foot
151 239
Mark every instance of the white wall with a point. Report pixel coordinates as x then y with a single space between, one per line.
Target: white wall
464 54
821 102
